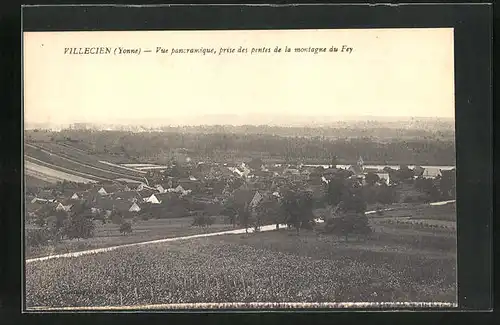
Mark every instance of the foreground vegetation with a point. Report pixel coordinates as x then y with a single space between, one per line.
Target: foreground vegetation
111 234
276 266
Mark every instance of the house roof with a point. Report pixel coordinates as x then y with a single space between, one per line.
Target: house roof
147 192
109 204
126 195
418 171
45 194
431 172
356 169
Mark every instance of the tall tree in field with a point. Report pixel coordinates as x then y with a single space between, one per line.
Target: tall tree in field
352 219
334 191
297 208
405 173
230 209
268 211
244 217
334 161
79 226
372 178
447 184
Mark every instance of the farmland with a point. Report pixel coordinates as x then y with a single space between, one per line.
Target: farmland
78 164
276 266
108 234
402 249
51 175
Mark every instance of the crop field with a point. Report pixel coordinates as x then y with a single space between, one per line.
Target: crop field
108 234
52 175
63 160
276 266
69 152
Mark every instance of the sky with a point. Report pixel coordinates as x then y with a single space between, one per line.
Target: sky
390 72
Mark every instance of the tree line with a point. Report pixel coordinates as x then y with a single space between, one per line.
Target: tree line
421 151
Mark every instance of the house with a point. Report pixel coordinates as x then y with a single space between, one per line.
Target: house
257 198
152 199
65 208
160 188
44 196
418 171
384 178
236 171
39 200
75 196
147 192
102 191
134 208
108 205
131 196
356 169
247 197
431 173
142 187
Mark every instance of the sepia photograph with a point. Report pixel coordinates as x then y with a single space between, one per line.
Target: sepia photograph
222 169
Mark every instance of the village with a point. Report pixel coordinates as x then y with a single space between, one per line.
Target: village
186 188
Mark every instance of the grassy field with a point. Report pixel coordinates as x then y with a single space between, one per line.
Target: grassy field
279 266
108 234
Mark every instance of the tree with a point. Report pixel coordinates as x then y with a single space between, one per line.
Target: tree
334 161
385 194
37 237
126 228
79 226
203 221
334 191
372 178
297 208
244 217
268 211
230 209
352 219
447 184
427 186
405 173
255 163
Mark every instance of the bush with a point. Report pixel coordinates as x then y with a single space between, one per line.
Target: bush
126 228
308 225
202 221
37 237
79 226
356 224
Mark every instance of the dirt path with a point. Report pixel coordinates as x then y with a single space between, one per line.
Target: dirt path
159 241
